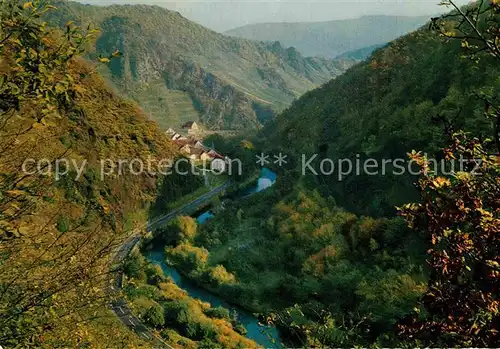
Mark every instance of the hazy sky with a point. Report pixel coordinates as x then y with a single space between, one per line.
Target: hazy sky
228 14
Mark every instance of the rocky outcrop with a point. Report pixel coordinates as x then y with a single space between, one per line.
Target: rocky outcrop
232 83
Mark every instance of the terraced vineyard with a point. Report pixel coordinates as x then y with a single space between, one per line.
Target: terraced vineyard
233 83
170 108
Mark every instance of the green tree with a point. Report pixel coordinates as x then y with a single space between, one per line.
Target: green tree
219 275
154 316
155 274
34 73
218 313
180 229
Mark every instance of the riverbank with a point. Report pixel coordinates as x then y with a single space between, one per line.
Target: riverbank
173 315
263 335
120 306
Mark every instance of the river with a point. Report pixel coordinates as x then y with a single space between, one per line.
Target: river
266 336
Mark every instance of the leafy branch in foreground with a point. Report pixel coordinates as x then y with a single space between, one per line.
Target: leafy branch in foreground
48 271
476 25
461 217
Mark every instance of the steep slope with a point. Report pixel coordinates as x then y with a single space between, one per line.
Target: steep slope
232 83
406 96
331 39
61 215
348 280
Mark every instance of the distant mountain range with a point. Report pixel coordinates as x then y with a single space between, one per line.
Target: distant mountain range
177 70
333 38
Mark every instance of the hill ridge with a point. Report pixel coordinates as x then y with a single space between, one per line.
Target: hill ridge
332 38
161 45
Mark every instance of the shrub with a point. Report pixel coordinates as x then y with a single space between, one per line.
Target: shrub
240 329
154 274
218 313
148 291
188 258
155 316
63 224
190 319
141 306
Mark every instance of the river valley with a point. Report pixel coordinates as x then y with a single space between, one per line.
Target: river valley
266 336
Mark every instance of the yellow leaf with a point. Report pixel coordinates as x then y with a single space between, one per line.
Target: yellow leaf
79 89
441 182
16 192
28 4
104 60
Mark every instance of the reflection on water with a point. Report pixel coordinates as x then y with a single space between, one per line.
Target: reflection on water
204 217
266 180
263 335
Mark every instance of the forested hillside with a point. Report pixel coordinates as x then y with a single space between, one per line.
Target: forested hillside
334 38
406 96
328 259
232 83
57 233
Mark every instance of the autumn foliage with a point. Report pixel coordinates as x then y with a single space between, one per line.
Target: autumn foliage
56 236
460 215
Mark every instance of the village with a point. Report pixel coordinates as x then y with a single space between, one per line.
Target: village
190 145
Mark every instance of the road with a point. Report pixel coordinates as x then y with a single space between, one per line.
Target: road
188 208
120 306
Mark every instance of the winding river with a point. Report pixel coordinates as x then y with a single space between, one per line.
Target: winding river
268 337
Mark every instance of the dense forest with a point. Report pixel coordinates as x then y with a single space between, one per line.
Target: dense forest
329 261
367 260
409 95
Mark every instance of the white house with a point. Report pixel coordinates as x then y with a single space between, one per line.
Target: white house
191 126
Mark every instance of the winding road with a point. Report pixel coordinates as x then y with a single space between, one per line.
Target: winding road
120 307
